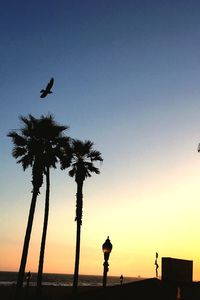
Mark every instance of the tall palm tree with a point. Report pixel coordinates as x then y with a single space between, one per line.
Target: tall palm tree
30 152
83 157
56 149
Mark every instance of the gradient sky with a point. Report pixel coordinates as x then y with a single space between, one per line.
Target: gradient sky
127 77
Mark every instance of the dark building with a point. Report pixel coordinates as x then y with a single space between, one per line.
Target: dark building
177 270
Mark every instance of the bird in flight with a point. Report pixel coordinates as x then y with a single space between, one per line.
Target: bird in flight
47 90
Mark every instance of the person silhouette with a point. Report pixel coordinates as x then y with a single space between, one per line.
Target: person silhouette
28 277
121 279
156 264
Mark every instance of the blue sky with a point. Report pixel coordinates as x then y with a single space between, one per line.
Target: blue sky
126 76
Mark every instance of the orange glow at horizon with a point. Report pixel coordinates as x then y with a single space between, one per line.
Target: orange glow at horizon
159 218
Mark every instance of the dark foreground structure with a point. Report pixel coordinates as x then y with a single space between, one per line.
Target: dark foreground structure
177 270
139 290
145 290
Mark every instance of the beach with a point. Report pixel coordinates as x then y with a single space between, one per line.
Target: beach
151 288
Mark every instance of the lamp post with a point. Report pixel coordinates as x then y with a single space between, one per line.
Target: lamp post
107 248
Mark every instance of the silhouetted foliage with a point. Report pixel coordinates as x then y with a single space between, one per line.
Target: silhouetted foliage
39 144
83 157
56 149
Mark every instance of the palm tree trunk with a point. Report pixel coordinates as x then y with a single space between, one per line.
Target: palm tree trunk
44 233
26 246
79 209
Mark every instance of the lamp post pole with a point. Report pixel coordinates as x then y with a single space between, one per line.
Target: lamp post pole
105 271
106 247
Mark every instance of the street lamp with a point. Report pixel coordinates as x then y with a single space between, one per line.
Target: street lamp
106 247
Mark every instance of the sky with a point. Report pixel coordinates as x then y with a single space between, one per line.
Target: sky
127 77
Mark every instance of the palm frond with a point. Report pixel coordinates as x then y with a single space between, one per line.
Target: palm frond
95 155
72 172
17 139
91 168
81 148
82 152
18 151
25 161
41 143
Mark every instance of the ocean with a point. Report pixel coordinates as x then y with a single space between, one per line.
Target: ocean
10 278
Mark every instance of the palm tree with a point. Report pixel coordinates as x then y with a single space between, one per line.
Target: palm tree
29 150
83 157
56 148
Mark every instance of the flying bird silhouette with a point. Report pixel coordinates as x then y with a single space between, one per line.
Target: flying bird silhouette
47 90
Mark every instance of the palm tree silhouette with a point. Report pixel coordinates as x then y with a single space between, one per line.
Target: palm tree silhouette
56 149
83 157
33 150
27 148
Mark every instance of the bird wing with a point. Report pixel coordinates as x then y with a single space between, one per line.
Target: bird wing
50 84
43 95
